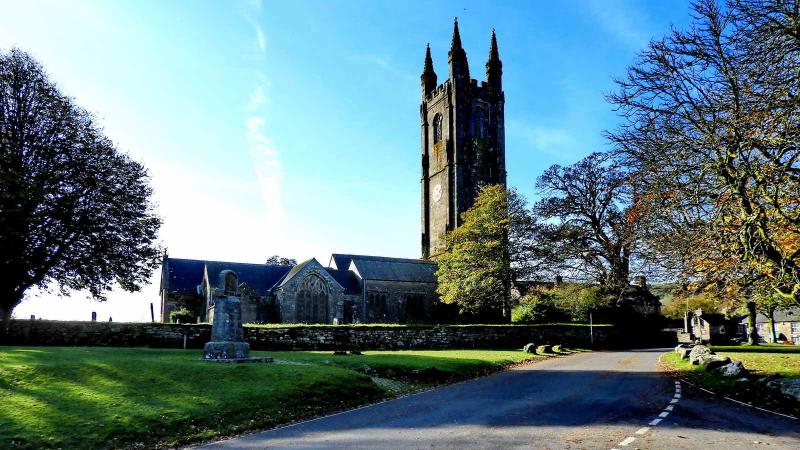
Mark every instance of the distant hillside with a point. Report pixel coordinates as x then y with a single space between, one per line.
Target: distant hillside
664 292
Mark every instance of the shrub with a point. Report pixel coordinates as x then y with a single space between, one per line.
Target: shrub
567 302
181 315
577 301
535 307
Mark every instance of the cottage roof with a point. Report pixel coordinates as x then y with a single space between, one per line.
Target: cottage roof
388 269
716 319
781 315
184 275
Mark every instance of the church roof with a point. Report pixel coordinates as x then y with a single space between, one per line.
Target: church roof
295 270
347 279
184 275
388 269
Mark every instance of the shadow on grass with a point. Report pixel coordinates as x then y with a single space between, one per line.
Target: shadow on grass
111 398
525 404
121 397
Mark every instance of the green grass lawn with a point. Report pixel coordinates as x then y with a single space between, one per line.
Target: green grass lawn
760 360
765 359
92 397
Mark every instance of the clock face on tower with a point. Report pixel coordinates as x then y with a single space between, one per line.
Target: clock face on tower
437 193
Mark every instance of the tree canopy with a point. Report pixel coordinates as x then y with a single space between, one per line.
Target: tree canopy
711 124
486 254
75 212
587 222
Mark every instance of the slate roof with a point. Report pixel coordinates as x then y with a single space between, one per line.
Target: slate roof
781 315
347 279
184 275
716 318
295 270
388 269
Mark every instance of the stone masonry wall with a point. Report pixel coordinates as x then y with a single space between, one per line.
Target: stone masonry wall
57 333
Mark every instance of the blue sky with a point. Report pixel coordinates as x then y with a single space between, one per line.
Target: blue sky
292 127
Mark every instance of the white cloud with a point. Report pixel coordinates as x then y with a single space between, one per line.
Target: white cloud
381 63
257 97
621 19
262 43
267 166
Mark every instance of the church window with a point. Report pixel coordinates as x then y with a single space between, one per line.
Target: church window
312 301
415 307
478 125
437 128
376 307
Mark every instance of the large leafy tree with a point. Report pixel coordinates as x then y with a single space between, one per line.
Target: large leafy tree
278 260
587 222
75 213
486 254
712 125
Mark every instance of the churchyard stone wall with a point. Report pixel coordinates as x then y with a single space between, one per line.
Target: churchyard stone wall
57 333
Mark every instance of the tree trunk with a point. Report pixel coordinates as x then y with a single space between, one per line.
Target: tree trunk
771 320
9 299
5 315
752 334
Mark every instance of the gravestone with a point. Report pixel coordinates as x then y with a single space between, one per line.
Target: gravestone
227 338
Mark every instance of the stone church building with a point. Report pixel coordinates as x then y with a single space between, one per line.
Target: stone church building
463 149
351 289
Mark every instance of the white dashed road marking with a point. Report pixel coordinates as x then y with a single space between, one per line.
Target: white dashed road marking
661 416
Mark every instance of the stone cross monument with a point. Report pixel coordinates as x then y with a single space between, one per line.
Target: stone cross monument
227 339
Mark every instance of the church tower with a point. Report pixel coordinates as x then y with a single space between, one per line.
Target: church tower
463 140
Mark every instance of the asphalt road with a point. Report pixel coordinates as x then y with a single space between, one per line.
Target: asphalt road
593 400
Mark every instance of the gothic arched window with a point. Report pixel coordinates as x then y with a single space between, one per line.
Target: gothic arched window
478 125
437 128
312 301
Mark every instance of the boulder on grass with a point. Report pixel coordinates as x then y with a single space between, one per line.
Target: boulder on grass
731 370
698 352
529 348
684 352
711 362
558 349
786 386
680 347
366 370
543 349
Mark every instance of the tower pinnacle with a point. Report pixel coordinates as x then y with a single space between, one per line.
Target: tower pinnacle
428 77
455 43
459 68
494 67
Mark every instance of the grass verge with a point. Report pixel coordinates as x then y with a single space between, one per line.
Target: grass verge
760 361
94 397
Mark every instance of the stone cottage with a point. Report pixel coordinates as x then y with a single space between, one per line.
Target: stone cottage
787 326
713 328
352 289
